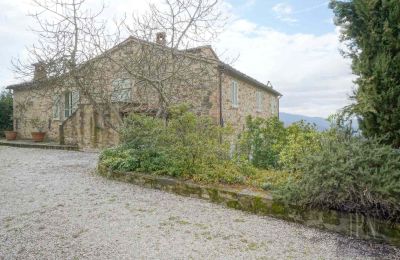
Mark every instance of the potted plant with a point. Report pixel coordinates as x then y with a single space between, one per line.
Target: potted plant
39 125
10 134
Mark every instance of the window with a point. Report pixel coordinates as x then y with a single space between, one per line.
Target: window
274 106
234 94
122 89
67 104
259 101
71 100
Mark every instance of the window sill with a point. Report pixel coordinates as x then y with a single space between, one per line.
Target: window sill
235 107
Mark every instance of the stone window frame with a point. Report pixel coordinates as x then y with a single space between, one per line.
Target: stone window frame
234 94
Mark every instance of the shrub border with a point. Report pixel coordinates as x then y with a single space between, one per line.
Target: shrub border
262 203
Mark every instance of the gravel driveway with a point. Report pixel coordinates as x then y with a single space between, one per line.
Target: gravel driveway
53 206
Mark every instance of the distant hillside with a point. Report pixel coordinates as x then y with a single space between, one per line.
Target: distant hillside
288 119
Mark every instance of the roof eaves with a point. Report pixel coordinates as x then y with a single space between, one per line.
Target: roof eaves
22 85
247 78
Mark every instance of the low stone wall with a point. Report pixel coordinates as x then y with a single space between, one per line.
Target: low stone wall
262 203
31 144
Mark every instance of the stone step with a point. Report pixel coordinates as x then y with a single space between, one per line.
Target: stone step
41 145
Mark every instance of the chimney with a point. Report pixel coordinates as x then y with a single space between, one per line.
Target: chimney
40 71
161 38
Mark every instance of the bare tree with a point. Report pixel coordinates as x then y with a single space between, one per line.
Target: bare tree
69 39
76 52
172 63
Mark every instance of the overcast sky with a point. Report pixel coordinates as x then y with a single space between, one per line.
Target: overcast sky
293 44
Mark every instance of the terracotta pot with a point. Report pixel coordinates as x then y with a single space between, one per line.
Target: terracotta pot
38 136
10 135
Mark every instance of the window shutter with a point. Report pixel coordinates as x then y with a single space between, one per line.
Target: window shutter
274 107
234 93
259 100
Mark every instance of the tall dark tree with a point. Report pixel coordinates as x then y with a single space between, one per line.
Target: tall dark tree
371 32
6 110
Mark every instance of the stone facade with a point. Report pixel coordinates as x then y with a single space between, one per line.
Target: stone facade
29 105
235 115
85 127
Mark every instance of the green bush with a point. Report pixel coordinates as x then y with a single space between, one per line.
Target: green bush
6 111
126 159
119 159
269 145
224 173
194 144
301 139
348 174
262 141
270 179
329 170
186 146
141 132
193 147
141 135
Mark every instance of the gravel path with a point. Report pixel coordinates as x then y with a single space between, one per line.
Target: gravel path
53 206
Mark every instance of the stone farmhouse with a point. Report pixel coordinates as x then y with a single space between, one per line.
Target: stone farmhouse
69 119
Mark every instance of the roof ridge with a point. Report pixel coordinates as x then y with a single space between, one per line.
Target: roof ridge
201 46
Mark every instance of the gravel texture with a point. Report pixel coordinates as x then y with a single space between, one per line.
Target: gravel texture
53 206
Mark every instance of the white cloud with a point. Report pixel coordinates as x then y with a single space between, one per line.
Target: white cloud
284 12
249 3
313 7
307 69
15 35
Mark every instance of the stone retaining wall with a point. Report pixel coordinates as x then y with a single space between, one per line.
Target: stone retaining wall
262 203
31 144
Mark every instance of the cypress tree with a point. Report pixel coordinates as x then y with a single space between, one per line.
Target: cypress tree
371 31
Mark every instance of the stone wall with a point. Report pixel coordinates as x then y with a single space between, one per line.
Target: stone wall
93 132
28 105
262 203
83 128
87 129
247 104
